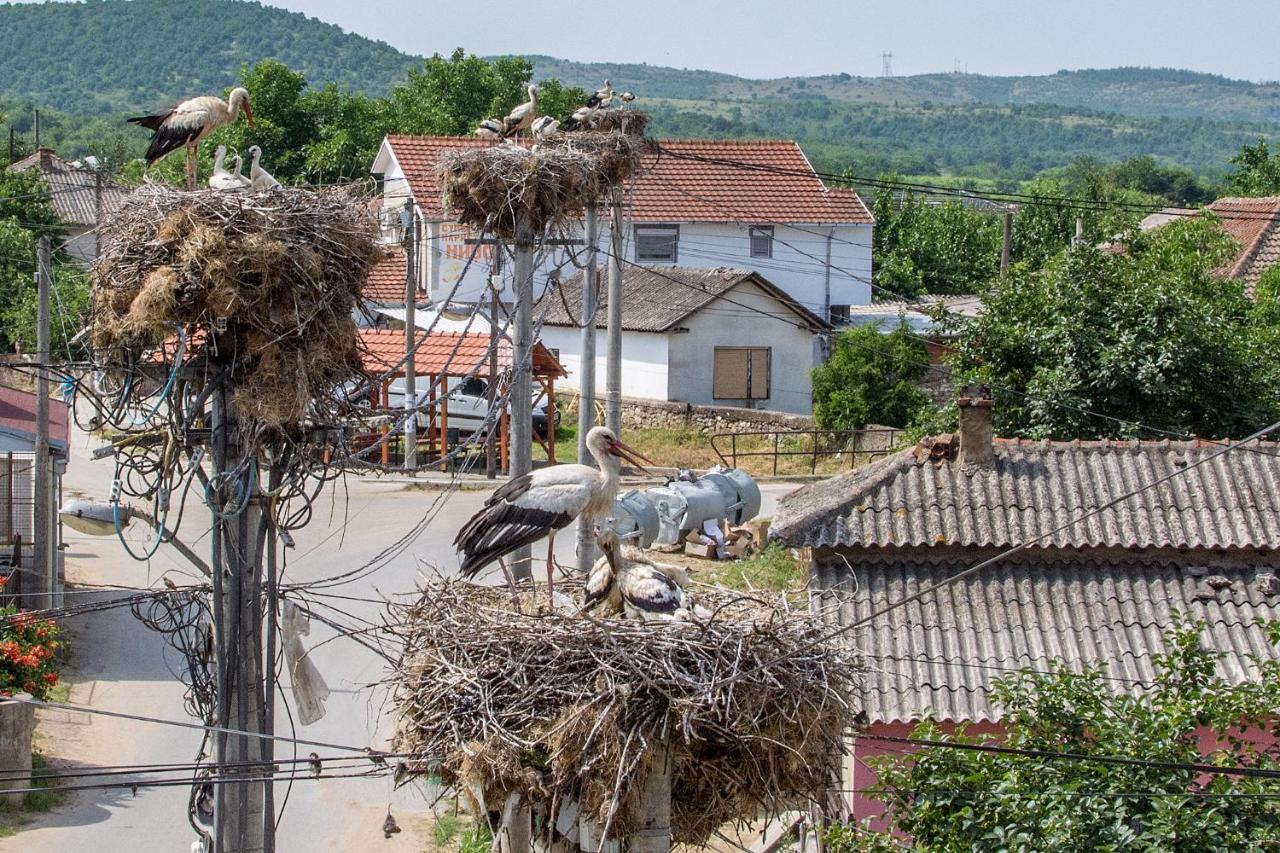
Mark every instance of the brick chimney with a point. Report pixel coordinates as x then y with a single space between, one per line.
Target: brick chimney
976 432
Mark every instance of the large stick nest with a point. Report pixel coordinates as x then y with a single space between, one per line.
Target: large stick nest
264 283
548 184
562 708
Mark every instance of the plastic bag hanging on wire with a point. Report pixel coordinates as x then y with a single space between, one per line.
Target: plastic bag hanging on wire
309 688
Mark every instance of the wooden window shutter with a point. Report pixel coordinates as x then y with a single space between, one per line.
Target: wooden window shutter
729 381
759 374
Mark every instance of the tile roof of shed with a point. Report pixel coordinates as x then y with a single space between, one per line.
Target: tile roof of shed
1232 501
385 284
941 655
72 190
656 299
708 180
450 353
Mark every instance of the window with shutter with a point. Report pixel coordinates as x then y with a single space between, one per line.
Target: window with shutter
657 242
740 373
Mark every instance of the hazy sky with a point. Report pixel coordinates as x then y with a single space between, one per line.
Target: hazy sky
784 37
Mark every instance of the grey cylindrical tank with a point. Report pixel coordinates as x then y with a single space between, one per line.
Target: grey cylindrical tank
702 499
748 494
634 513
670 507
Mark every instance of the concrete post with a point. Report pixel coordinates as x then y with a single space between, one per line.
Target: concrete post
17 726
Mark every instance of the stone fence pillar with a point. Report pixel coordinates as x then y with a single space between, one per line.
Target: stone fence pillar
17 727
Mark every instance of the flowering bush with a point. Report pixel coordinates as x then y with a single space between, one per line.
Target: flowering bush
28 647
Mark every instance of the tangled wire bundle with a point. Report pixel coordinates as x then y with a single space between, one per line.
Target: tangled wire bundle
563 709
550 183
264 283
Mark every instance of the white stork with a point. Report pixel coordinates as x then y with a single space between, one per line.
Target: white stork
236 164
639 587
221 179
491 128
259 178
627 97
522 116
540 503
189 122
582 119
601 97
545 127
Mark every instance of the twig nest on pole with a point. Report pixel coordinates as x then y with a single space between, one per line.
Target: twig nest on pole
548 183
566 709
264 284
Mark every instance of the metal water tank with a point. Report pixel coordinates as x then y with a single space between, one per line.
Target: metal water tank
702 499
670 507
748 493
635 518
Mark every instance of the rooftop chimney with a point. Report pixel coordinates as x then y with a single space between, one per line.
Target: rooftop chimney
975 425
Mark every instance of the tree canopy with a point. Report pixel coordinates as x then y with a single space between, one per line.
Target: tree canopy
950 799
1256 172
1148 334
871 377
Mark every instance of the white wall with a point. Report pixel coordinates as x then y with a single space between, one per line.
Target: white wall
644 360
722 324
798 265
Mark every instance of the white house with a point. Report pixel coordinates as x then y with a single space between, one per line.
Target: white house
755 205
707 336
80 195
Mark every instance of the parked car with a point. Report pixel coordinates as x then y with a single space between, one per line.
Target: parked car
468 405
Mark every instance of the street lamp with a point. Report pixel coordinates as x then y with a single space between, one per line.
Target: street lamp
104 518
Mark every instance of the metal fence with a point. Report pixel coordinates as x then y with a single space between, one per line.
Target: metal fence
17 527
809 445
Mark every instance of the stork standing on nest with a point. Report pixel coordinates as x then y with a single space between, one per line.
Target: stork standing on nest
542 502
259 177
521 118
187 123
491 128
601 97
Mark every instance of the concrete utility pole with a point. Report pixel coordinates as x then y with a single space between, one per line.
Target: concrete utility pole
410 340
1078 240
613 333
1006 241
45 563
491 390
242 823
522 374
587 381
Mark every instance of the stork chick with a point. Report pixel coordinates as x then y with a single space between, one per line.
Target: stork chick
259 177
647 592
582 119
601 97
491 128
521 118
185 124
221 179
545 127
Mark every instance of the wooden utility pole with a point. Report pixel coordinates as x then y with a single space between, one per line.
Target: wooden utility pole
1006 242
410 341
522 373
42 516
613 332
587 382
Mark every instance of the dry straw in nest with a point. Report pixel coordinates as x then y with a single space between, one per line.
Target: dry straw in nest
562 708
274 278
547 184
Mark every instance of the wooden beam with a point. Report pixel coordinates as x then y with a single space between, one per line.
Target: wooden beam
551 419
444 422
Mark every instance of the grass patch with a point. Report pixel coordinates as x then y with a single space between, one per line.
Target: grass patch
772 569
47 797
457 833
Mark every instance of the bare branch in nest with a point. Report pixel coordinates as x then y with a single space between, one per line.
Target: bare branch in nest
560 706
266 282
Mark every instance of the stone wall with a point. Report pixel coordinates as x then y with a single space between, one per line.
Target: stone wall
648 414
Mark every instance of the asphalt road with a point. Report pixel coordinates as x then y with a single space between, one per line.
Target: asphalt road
122 666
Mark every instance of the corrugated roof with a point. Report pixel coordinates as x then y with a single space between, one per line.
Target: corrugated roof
72 190
708 180
656 299
451 353
1231 501
941 655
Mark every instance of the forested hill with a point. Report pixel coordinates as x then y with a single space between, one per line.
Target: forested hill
106 56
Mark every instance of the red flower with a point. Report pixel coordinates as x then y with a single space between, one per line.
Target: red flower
28 685
51 678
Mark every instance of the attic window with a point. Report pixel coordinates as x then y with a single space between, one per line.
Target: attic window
657 242
762 241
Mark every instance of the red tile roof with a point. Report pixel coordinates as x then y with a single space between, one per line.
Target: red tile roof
18 414
450 353
707 180
385 283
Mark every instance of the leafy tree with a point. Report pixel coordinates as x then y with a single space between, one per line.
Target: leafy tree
950 799
1149 335
870 378
1257 171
